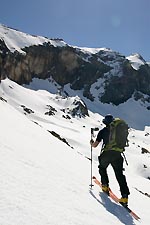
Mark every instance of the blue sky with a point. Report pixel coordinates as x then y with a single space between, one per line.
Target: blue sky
122 25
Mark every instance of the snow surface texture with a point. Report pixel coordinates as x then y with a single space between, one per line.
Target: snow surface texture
16 40
44 181
126 111
136 61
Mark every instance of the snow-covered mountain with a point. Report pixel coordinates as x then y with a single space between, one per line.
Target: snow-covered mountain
105 80
45 166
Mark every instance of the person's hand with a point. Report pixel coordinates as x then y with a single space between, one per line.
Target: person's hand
91 141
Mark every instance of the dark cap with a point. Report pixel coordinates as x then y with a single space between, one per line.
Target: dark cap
108 119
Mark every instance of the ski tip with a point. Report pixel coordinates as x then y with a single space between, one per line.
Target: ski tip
135 216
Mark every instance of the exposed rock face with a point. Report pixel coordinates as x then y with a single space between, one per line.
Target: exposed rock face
65 65
80 109
3 53
120 89
80 69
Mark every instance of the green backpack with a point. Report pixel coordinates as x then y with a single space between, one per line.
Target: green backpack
118 137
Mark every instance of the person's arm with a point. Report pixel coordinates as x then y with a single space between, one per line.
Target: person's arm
99 138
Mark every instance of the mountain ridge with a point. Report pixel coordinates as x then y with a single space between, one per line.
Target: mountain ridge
101 76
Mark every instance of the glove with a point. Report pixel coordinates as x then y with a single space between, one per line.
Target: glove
91 141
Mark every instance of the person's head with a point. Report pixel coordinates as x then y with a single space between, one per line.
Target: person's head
108 119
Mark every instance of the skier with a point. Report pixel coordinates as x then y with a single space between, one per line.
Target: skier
113 157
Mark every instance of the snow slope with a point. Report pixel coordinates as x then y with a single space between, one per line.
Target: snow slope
136 61
126 110
44 181
16 40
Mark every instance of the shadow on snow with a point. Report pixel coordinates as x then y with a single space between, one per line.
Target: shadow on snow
113 208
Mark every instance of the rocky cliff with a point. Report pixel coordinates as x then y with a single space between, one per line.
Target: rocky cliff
115 78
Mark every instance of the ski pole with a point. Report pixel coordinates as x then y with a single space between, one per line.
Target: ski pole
92 135
91 158
125 158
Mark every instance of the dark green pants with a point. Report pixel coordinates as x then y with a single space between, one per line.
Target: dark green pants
116 160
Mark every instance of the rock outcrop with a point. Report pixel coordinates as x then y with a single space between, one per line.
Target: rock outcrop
78 67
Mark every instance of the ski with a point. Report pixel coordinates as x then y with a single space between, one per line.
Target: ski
116 199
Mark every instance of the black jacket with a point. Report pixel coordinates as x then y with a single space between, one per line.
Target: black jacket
103 135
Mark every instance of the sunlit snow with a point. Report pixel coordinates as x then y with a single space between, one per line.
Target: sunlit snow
44 181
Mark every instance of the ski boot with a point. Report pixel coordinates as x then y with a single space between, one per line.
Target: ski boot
124 201
105 188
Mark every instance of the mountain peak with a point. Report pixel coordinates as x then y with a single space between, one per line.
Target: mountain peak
104 79
16 40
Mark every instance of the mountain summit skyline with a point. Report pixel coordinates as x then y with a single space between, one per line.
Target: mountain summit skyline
119 25
104 79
